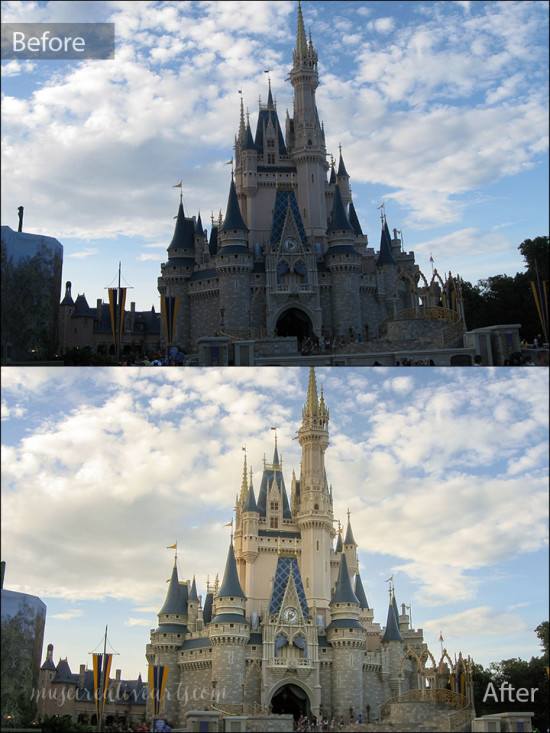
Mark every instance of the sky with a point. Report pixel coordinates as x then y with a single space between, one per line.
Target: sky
444 472
441 109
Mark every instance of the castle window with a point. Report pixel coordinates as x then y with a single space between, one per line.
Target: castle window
271 143
312 178
317 544
231 626
274 505
274 523
271 158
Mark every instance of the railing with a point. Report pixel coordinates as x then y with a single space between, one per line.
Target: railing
245 334
437 695
424 313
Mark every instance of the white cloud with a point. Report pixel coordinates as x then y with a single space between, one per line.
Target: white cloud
479 621
68 615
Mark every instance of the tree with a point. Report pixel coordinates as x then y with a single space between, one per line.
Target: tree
535 253
517 673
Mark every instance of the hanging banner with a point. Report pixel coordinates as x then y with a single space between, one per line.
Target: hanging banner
102 669
157 682
116 308
169 307
540 293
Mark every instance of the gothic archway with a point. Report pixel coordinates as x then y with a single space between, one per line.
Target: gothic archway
294 322
291 699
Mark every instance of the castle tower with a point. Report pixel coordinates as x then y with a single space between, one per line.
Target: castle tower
347 638
392 647
167 639
229 632
233 267
366 614
192 607
344 264
386 266
307 140
350 550
176 272
342 178
315 515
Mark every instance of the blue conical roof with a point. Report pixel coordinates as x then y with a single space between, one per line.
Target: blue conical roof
231 585
250 505
213 243
386 255
349 540
360 593
207 610
184 232
198 226
339 219
193 592
339 546
342 168
354 220
343 593
233 217
175 600
332 178
392 626
249 143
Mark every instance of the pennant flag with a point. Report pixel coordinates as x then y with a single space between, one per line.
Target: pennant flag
229 524
229 162
440 636
388 580
540 293
172 547
169 308
431 258
178 185
157 682
101 669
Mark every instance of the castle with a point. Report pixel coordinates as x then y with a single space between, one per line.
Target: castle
290 630
290 257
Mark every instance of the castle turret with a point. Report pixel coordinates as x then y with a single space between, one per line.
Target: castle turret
233 267
229 633
315 516
307 140
347 637
366 614
350 549
392 647
343 180
344 264
168 638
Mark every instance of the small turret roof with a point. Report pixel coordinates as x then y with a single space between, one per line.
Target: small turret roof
207 610
230 584
250 505
392 626
332 178
193 592
343 593
174 603
349 540
339 546
354 220
184 232
198 226
249 143
233 217
360 593
341 167
339 219
213 243
386 255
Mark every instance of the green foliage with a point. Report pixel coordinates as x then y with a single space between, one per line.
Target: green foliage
502 299
518 673
85 357
22 637
62 724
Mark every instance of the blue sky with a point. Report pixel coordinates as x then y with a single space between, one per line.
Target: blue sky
444 471
441 109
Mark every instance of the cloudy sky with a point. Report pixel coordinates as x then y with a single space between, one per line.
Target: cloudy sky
445 472
441 109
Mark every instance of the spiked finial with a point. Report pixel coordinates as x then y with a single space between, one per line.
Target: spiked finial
301 41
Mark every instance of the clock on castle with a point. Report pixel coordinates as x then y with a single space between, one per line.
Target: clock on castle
290 257
289 630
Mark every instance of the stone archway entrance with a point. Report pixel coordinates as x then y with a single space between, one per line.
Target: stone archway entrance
294 322
292 700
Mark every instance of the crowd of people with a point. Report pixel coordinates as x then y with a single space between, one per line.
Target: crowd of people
304 724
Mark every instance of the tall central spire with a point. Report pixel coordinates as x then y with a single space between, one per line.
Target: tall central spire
301 41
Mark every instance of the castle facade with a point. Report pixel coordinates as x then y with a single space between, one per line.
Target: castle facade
290 257
290 629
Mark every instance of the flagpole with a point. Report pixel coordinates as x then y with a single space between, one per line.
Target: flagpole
102 683
118 331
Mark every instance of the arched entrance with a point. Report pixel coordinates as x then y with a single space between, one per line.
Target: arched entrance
292 700
294 322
